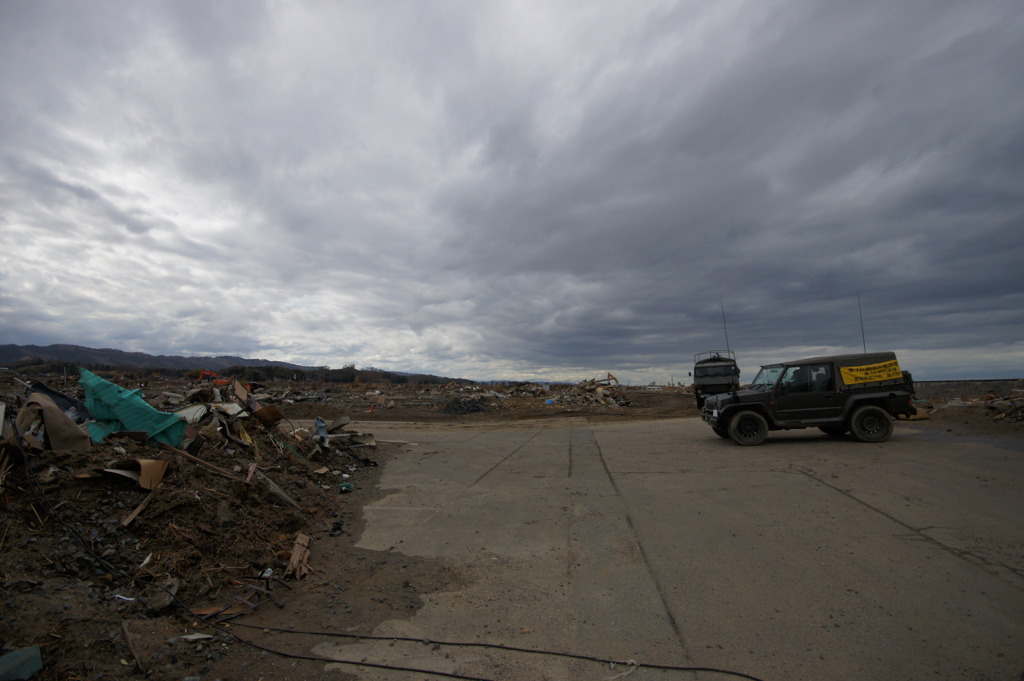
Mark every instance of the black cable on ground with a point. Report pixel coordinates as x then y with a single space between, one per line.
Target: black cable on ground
498 646
375 665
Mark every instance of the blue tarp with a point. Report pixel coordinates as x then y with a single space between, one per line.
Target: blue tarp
115 409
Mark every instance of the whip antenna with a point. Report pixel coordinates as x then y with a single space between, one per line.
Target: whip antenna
727 348
861 313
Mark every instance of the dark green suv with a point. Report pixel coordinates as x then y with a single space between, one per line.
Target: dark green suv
858 394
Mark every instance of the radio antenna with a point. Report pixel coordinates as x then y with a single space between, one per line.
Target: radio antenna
724 326
860 312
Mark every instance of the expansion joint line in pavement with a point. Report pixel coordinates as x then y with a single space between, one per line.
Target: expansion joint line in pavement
636 536
424 455
993 567
503 460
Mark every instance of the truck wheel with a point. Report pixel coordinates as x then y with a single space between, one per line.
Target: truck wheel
871 424
720 432
700 402
748 428
833 431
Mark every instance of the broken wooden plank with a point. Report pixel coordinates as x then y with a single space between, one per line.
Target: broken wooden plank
275 489
131 640
138 509
220 613
298 566
215 469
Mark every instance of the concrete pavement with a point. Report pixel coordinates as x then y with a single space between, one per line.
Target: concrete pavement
805 558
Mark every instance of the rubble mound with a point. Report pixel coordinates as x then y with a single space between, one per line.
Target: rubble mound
101 541
1015 413
995 402
464 404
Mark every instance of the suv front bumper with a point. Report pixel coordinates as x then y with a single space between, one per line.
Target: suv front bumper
710 416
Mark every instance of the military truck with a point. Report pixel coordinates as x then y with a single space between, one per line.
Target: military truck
859 394
714 372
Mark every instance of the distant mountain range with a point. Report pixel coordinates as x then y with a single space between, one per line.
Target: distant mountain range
13 354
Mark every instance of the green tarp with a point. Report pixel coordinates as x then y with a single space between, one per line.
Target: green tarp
115 409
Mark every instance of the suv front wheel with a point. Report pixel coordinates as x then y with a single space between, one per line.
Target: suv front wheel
871 424
748 428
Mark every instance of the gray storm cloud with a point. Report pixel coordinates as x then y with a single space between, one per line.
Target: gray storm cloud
547 190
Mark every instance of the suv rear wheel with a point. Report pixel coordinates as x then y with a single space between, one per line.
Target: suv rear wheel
871 424
748 428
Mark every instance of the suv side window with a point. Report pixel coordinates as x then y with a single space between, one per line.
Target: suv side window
808 378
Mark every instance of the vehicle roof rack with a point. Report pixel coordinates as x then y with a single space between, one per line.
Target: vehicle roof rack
712 355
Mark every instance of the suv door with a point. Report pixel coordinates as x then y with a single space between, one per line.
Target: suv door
807 392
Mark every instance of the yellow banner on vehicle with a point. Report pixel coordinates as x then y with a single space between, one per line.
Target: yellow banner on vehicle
871 372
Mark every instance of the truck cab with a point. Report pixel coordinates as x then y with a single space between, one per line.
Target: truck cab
714 372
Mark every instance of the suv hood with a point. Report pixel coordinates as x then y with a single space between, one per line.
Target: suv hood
737 396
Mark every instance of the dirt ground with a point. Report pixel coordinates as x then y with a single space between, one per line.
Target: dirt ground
113 581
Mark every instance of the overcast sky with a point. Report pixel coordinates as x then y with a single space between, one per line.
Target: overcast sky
527 190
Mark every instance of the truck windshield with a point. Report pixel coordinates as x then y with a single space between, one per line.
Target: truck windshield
766 378
715 370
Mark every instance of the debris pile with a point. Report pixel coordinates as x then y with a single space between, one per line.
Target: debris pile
526 390
1014 413
515 399
591 393
208 510
464 404
1010 407
999 407
601 392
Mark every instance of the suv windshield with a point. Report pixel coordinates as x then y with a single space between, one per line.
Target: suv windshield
766 378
